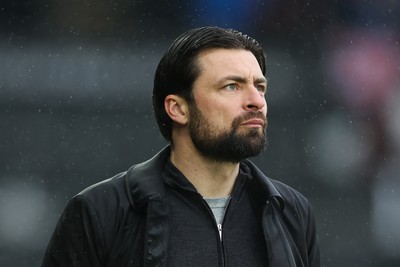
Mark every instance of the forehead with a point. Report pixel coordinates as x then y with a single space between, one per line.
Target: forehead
220 62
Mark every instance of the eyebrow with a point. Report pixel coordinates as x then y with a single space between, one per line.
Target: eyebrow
241 79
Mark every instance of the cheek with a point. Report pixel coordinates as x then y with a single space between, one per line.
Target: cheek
218 120
223 117
218 112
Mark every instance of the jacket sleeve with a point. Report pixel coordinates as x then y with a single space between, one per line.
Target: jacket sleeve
312 240
77 239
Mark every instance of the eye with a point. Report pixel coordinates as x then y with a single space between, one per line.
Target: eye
261 88
231 87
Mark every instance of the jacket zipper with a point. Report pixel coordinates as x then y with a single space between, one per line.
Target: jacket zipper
219 225
219 228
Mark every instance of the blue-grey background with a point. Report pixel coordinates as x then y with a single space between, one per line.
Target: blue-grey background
75 108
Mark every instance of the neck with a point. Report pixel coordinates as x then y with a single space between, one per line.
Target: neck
211 178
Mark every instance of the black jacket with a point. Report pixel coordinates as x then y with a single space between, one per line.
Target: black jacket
123 221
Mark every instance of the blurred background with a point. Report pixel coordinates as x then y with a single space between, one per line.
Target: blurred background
75 108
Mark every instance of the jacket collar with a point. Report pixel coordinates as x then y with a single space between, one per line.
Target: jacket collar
262 185
145 181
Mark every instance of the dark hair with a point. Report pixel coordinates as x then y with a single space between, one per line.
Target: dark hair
178 68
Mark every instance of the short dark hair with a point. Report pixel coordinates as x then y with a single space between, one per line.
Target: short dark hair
178 68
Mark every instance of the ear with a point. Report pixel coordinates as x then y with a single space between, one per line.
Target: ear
176 108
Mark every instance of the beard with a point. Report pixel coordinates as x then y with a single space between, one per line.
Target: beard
226 145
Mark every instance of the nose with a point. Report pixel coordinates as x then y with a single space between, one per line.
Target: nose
254 99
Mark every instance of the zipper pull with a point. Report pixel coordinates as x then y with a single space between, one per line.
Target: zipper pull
220 231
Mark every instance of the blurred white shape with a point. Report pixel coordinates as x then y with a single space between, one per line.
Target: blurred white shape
340 149
386 210
22 211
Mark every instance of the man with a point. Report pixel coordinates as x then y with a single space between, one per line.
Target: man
200 201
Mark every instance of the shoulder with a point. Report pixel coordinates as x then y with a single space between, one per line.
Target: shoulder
297 206
291 201
104 205
129 189
289 194
271 188
111 191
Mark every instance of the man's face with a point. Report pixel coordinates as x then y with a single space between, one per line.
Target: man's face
228 117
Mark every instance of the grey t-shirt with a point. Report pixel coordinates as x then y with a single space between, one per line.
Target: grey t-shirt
218 207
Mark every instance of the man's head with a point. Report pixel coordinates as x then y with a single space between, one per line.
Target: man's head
178 69
197 66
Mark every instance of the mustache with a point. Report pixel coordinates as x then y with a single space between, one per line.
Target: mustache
248 116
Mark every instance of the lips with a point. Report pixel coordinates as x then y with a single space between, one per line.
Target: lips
254 122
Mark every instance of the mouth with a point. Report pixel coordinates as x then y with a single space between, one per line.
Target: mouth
254 123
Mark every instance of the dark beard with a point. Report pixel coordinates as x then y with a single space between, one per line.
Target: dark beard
228 146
